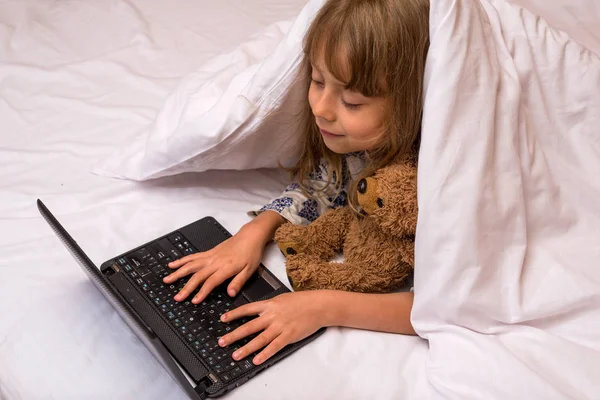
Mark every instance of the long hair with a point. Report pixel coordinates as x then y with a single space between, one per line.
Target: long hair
384 45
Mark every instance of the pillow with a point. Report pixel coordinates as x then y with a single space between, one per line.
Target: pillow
238 111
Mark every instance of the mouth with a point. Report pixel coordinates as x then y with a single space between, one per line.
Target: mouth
329 134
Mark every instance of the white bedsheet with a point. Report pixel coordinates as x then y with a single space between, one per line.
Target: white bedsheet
76 79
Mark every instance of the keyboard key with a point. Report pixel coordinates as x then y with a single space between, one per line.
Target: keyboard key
176 237
235 372
203 337
227 365
170 303
187 318
134 261
198 346
220 355
226 377
246 365
195 328
211 361
151 262
211 345
204 353
169 248
151 278
157 269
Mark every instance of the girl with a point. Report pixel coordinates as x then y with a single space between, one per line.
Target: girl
364 60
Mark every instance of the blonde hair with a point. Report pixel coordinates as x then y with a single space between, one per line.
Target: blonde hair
384 44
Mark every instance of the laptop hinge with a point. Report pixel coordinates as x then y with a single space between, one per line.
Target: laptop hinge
201 387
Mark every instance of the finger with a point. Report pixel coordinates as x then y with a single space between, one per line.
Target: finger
247 329
255 344
183 271
184 260
211 282
239 281
254 308
272 348
192 284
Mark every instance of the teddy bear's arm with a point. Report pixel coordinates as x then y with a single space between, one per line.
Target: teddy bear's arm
324 237
308 272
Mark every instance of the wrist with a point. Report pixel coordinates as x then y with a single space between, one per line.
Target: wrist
263 227
330 311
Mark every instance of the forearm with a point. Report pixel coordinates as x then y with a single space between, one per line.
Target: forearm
378 312
263 227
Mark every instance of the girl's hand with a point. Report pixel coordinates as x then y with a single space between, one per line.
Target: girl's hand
239 255
284 319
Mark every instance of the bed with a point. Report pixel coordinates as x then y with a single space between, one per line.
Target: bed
80 79
75 80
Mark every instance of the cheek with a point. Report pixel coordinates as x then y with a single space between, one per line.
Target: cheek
312 97
364 128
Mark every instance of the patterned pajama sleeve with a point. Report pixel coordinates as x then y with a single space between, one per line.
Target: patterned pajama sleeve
298 208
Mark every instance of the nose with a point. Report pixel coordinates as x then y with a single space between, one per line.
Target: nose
362 186
322 108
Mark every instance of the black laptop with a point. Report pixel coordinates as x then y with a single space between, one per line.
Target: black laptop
181 335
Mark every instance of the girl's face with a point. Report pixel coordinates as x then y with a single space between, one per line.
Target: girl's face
348 121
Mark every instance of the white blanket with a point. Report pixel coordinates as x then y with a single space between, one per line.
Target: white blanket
508 245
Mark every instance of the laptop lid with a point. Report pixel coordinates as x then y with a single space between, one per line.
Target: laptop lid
120 305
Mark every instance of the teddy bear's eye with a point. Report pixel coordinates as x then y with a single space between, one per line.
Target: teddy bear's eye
379 202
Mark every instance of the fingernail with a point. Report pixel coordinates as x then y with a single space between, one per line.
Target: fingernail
257 360
178 297
224 317
236 355
221 342
231 292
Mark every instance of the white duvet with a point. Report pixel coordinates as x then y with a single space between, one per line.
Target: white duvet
508 243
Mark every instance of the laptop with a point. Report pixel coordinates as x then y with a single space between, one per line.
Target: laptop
181 335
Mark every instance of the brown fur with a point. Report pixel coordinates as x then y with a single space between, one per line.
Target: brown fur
378 247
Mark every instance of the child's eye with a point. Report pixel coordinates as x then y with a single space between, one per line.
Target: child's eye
316 82
350 106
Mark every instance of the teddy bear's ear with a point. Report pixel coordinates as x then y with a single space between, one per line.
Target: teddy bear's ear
397 188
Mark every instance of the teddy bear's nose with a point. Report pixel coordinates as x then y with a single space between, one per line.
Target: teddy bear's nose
362 186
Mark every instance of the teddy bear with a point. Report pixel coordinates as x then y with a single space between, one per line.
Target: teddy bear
377 242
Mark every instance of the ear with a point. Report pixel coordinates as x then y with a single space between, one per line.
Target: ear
397 187
368 195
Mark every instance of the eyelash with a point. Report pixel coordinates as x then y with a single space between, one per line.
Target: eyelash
349 106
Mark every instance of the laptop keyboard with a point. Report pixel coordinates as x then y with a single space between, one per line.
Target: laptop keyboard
197 324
